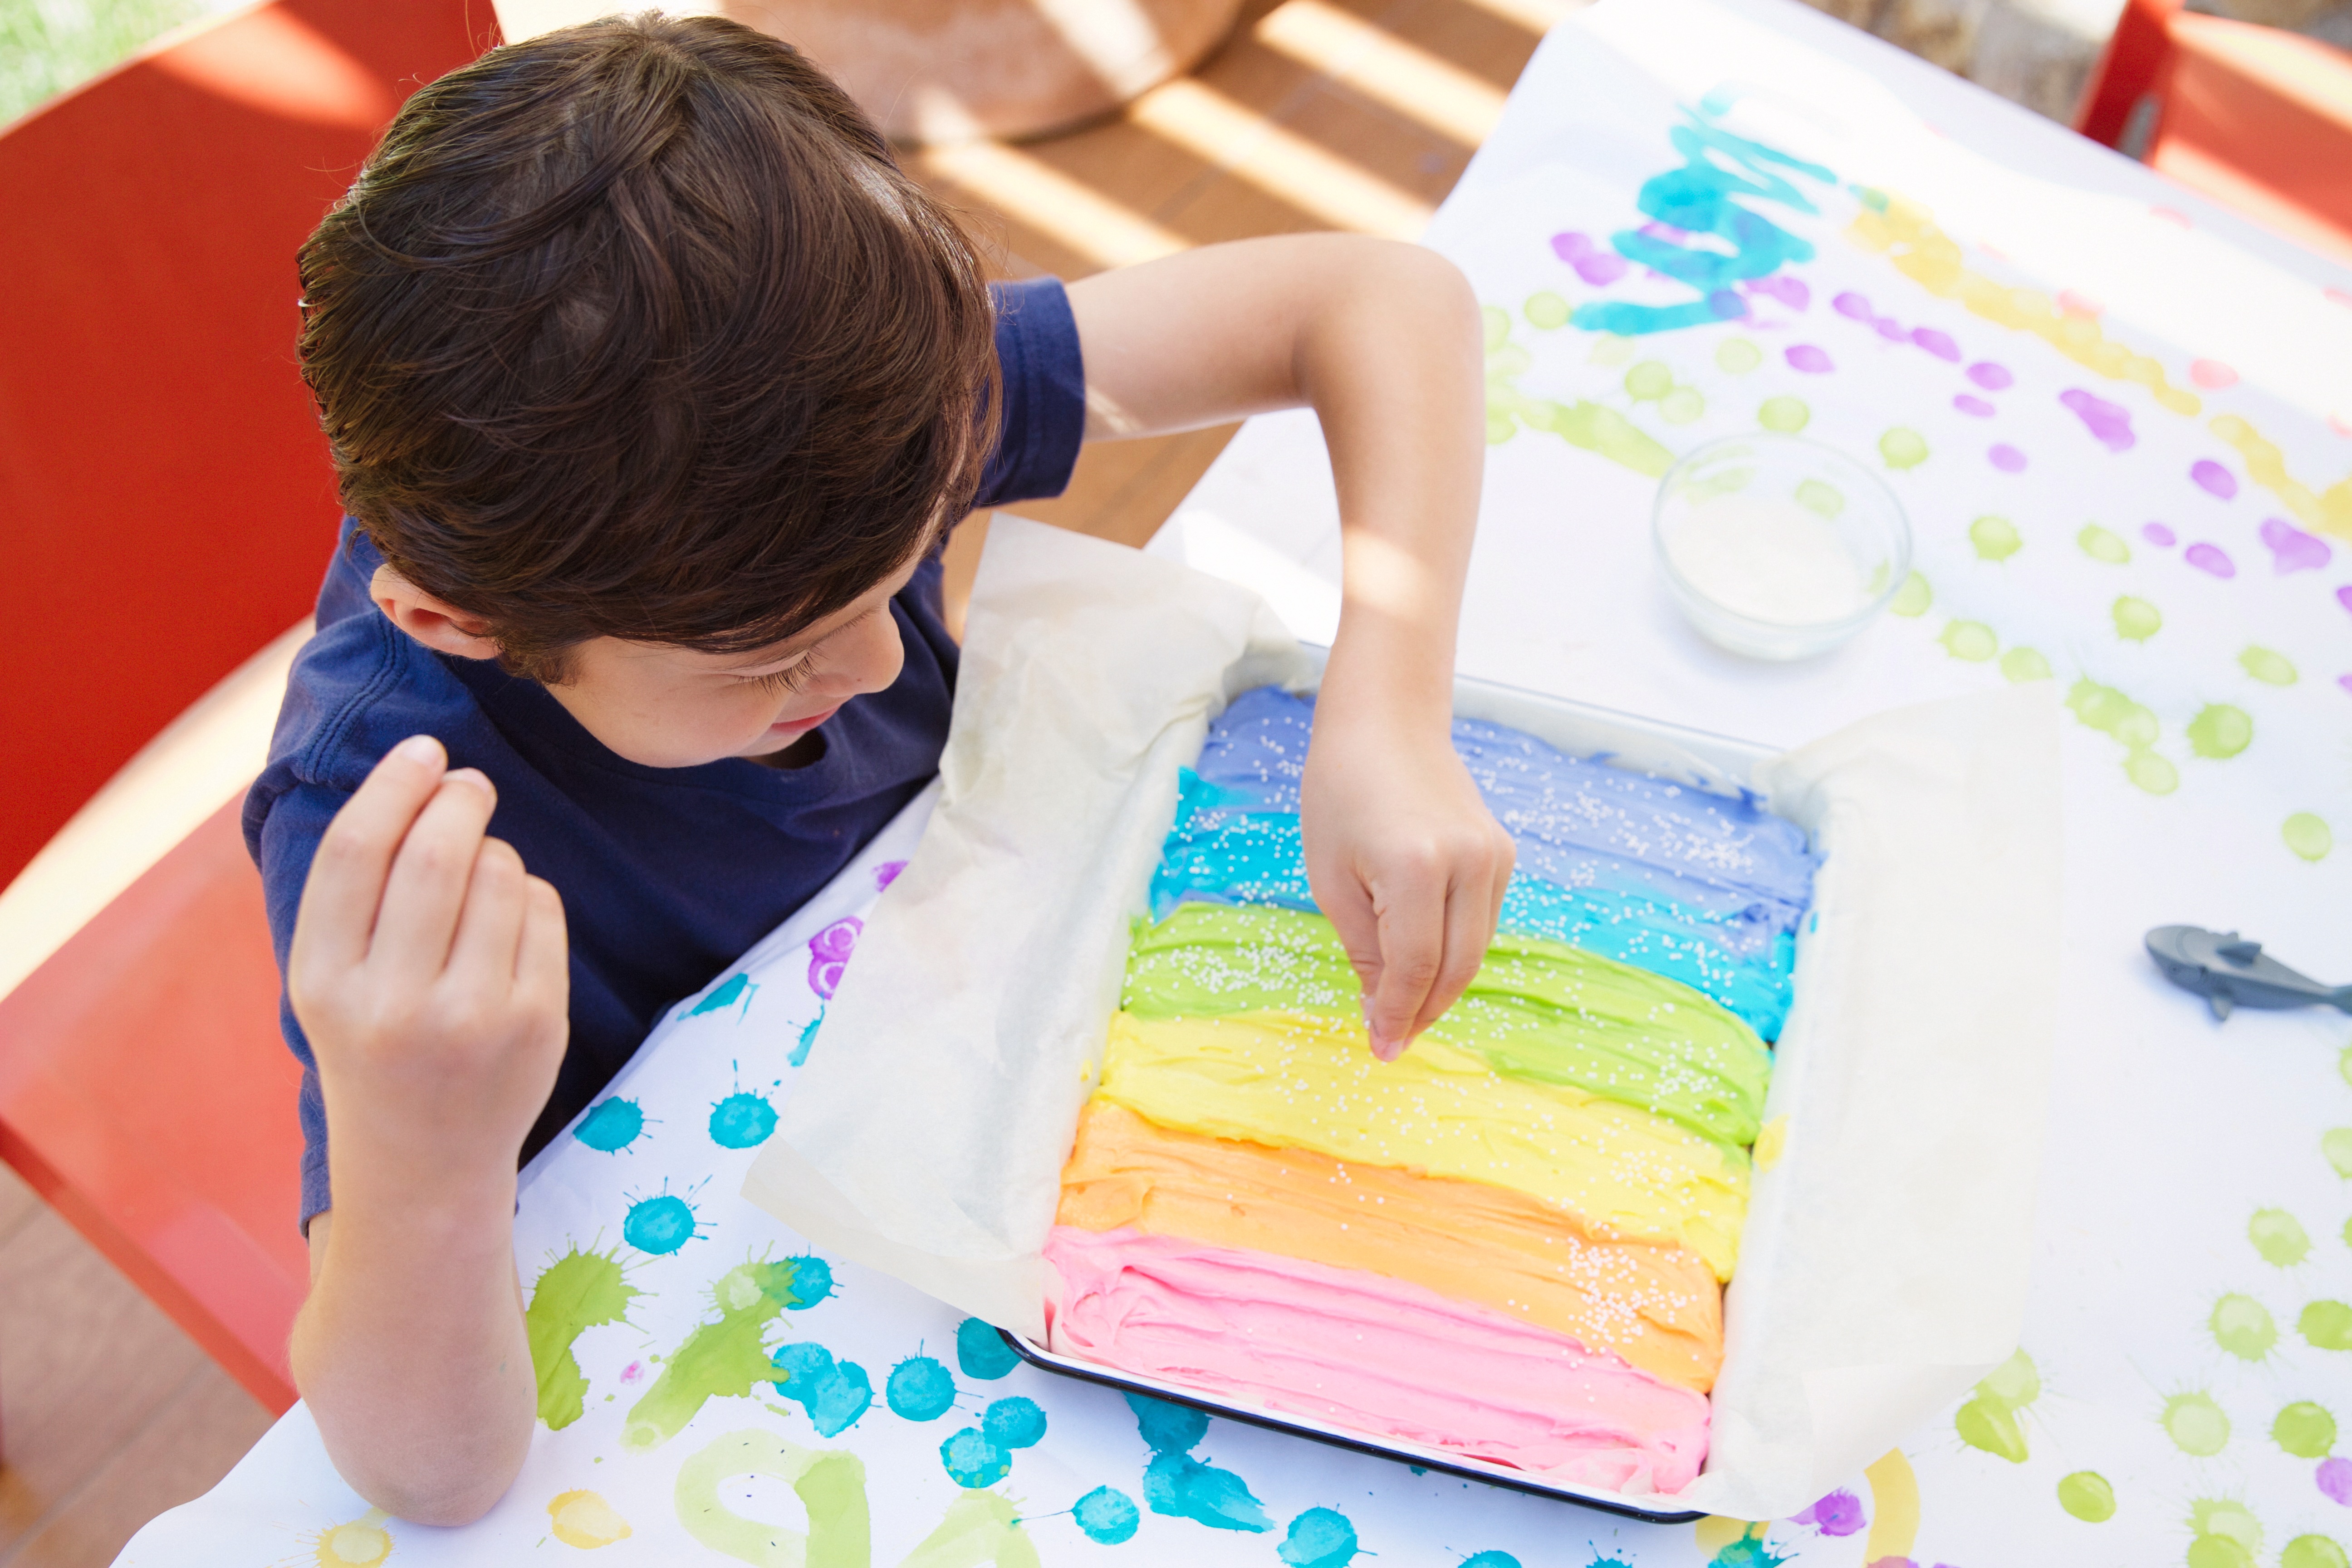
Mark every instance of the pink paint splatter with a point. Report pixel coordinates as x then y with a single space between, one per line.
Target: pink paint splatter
2209 558
1596 265
2341 426
2157 534
2292 550
1969 404
2214 478
1990 376
2109 423
2007 458
886 873
2171 216
2075 303
1809 359
1940 344
2339 297
829 951
1789 290
1839 1513
2211 374
2334 1477
634 1371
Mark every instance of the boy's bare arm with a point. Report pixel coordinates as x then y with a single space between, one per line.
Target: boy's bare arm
1384 341
429 972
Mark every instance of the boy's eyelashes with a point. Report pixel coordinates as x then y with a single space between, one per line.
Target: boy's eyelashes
790 680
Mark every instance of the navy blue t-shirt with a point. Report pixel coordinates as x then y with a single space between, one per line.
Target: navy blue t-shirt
667 874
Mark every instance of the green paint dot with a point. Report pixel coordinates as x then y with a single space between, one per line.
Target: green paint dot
1500 428
1738 356
2311 1551
1996 538
2225 1518
2105 708
2272 669
2086 1495
1784 414
2100 544
2137 620
1984 1425
1681 406
2220 731
2196 1425
2327 1325
1816 497
1498 322
2344 1064
2278 1238
1914 597
2308 837
2151 772
2347 1233
1903 448
2306 1430
2217 1552
2013 1384
1610 349
2336 1144
1546 310
2024 664
1971 640
2242 1327
1649 379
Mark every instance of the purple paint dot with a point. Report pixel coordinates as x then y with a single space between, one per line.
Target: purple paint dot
829 951
2209 558
2335 1476
2109 423
1853 307
2214 478
1666 232
1839 1513
2292 549
1595 264
2343 596
1890 328
1807 358
1940 344
1969 404
1789 290
1727 305
1990 376
2007 458
2345 681
2157 534
886 873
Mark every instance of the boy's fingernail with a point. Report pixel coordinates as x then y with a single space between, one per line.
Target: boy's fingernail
473 776
1386 1049
418 749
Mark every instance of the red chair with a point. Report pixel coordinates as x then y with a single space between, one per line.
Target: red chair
2258 119
169 510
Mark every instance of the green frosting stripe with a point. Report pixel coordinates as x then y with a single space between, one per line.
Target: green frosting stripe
1539 1012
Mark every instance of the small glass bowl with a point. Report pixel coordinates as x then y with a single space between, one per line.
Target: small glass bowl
1777 547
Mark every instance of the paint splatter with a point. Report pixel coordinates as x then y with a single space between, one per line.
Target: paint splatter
2220 731
1914 597
2327 1325
2335 1148
1784 414
741 1120
611 1125
1179 1484
2243 1327
1546 312
972 1461
2278 1238
2108 423
2265 665
1490 1560
1824 499
1903 448
2334 1480
2311 1551
2214 478
2105 708
2007 458
2136 619
834 1393
1683 405
2103 545
920 1389
1809 359
1786 287
808 1038
2023 664
829 1482
1597 266
886 873
1990 376
1994 538
2305 1430
1649 381
1988 1421
1319 1538
724 1359
2156 533
980 1527
2234 1534
2086 1495
1971 640
584 1519
2307 837
578 1291
361 1542
1738 356
2344 596
2209 558
660 1225
1748 1551
1108 1516
2292 550
736 987
1975 406
829 951
2196 1425
2211 374
982 1351
1940 344
1838 1514
1013 1423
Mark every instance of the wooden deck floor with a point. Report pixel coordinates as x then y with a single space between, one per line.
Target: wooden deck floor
1318 115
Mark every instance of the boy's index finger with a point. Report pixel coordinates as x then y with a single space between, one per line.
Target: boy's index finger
354 857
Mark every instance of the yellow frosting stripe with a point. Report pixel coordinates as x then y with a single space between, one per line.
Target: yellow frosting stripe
1286 1079
1657 1306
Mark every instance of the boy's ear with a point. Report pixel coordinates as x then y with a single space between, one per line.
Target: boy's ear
438 624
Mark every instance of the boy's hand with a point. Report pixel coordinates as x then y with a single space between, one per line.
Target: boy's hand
1407 861
429 972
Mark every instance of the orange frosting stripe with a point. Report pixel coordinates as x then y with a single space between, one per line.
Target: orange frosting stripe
1655 1304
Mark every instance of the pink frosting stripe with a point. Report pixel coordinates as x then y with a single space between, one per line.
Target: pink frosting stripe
1363 1350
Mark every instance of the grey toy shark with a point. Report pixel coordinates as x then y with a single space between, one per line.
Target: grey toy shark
2230 971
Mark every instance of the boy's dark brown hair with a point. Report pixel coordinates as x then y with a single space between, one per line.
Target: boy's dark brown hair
636 330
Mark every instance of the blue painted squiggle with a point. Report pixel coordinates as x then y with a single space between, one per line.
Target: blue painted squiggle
1182 1487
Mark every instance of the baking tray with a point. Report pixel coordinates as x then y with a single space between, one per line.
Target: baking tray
1714 764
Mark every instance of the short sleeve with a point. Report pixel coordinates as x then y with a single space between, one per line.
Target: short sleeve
1044 394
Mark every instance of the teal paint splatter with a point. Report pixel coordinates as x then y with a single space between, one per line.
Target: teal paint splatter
1491 1560
611 1125
1319 1538
1166 1427
835 1394
741 1120
1747 1552
1015 1422
972 1461
982 1351
1110 1517
920 1389
1180 1486
660 1225
737 987
808 1038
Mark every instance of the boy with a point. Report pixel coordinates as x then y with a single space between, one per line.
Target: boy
654 388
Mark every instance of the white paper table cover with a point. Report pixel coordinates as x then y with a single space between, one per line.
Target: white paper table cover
2187 1353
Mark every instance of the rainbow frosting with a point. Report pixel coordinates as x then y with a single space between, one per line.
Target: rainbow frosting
1510 1242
